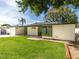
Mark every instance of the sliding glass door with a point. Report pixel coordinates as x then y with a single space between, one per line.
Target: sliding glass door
47 30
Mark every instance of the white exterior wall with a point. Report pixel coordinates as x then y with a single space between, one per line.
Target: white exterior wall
64 32
9 32
32 31
12 31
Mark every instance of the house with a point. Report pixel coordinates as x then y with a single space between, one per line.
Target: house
77 32
6 30
77 28
20 30
12 30
52 31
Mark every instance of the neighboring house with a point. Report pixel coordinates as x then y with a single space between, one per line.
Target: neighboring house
77 29
6 30
13 30
77 32
52 31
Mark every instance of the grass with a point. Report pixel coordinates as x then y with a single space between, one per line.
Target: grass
22 48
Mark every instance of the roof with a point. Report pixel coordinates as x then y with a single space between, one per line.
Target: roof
43 23
18 26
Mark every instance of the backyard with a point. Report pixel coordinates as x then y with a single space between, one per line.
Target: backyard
22 48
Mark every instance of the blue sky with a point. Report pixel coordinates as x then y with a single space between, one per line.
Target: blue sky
9 13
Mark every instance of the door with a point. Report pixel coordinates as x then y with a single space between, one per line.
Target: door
40 31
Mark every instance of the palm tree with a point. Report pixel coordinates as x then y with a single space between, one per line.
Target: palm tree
22 21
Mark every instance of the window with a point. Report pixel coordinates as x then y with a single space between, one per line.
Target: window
33 27
47 30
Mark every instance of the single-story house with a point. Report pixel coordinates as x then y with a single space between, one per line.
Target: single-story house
10 31
6 30
77 32
20 30
77 28
52 31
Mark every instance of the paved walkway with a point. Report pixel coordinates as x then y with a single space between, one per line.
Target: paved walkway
74 50
35 38
38 38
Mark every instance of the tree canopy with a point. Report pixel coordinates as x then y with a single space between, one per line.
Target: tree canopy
6 25
61 15
39 6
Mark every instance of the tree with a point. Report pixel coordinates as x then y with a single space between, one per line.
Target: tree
22 21
61 15
8 25
39 6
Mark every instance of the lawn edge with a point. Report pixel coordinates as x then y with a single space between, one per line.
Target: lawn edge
68 54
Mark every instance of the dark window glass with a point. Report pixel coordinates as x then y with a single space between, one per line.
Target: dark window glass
47 30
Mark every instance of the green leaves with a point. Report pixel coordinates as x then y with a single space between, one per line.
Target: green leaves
61 15
39 6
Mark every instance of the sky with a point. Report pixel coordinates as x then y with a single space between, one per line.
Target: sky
9 13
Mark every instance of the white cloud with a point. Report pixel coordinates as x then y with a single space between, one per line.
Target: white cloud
8 20
9 11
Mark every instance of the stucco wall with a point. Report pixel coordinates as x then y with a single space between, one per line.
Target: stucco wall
20 30
64 32
32 31
11 31
8 32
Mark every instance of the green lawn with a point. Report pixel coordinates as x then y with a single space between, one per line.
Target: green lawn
22 48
